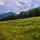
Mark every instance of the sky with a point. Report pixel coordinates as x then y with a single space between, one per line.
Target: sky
17 5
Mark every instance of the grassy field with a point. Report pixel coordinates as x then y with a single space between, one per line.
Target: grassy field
20 29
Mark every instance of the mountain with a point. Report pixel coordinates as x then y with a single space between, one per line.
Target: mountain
7 14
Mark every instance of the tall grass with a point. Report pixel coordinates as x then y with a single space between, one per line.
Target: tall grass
20 29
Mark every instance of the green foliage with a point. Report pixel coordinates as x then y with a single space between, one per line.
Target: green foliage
23 14
31 13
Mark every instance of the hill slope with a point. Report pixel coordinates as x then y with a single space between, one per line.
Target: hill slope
21 29
2 16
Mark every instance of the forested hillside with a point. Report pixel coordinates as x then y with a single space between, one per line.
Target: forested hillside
31 13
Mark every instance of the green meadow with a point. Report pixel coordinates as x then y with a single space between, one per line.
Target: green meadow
20 29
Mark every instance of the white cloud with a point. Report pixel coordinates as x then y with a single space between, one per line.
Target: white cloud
1 2
19 5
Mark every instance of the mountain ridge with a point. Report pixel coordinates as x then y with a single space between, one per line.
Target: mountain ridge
7 14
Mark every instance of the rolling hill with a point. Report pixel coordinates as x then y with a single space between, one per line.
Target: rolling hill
5 15
20 29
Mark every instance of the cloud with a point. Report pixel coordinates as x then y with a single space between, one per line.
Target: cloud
1 2
19 5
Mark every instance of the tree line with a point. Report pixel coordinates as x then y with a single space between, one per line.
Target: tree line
31 13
